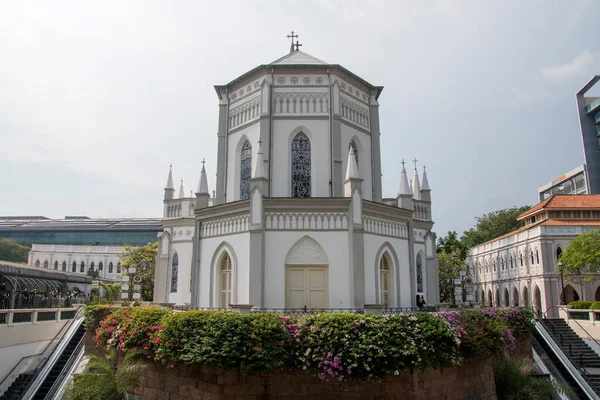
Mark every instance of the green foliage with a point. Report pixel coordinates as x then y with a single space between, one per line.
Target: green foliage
449 265
112 291
365 347
334 346
101 382
514 382
492 225
131 329
580 305
144 260
254 342
595 305
12 251
582 252
451 244
95 313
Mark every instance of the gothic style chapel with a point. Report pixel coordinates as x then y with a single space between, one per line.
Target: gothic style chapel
298 219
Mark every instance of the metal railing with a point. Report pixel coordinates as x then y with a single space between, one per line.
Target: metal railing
41 372
63 329
12 301
24 316
311 311
566 346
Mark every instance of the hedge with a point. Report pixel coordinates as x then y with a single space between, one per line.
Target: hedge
333 346
580 305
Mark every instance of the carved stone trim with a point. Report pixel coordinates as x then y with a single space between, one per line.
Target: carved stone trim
386 227
306 221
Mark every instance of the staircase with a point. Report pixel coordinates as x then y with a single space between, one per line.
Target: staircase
17 388
582 355
58 367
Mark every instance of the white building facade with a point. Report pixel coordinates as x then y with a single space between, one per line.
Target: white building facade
298 219
520 268
104 260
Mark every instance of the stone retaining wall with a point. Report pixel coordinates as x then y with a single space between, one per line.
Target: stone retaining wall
472 380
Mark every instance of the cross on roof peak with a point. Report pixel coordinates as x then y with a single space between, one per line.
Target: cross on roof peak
293 35
402 162
415 161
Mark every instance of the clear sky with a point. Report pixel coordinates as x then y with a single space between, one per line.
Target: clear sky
97 98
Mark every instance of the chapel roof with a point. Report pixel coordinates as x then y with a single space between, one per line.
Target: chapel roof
564 201
296 59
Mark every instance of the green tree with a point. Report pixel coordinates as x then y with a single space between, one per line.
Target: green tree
103 381
449 267
582 252
451 244
143 259
492 225
12 251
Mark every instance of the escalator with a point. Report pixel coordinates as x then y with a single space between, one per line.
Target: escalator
49 377
52 379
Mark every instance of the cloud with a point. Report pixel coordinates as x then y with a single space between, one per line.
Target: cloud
569 70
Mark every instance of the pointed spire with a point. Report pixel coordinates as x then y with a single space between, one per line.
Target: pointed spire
425 180
169 184
352 168
259 163
416 186
404 186
203 184
181 191
410 187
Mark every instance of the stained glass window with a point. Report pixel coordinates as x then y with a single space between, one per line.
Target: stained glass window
353 145
174 273
245 170
384 280
225 282
419 273
301 166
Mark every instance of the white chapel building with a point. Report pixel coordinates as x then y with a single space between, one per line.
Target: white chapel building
297 218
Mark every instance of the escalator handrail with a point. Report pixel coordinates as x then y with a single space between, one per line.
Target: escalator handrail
43 370
65 327
545 359
580 375
68 365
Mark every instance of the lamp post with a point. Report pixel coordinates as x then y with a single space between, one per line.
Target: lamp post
562 281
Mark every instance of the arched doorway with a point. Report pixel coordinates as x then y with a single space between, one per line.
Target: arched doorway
497 300
306 275
506 298
490 298
597 294
515 301
571 294
537 299
525 297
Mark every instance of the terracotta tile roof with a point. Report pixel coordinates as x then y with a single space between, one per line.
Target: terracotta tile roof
522 229
565 201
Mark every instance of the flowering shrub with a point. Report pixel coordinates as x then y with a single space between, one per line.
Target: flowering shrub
254 342
94 314
342 346
334 346
131 329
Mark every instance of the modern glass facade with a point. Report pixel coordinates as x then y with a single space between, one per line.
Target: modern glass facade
113 232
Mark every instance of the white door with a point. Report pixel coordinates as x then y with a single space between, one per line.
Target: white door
307 287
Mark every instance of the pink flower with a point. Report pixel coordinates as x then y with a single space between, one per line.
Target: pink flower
256 348
157 340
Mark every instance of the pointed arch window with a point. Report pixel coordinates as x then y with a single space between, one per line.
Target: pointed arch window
558 253
537 256
56 265
118 268
37 263
92 266
46 264
100 266
82 267
419 273
174 273
384 281
225 281
355 150
64 266
110 267
532 258
245 170
301 159
521 255
74 267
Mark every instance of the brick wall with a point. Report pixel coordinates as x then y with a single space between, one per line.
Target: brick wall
472 380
